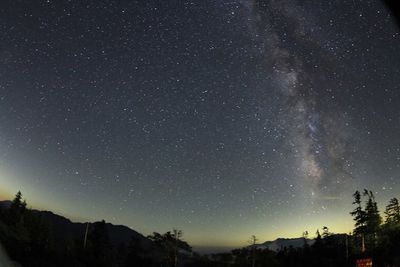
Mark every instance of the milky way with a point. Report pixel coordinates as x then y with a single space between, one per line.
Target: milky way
316 135
221 118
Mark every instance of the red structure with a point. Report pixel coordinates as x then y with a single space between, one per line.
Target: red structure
364 262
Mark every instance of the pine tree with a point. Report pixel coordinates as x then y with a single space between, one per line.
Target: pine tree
253 240
393 212
17 209
372 218
17 203
359 214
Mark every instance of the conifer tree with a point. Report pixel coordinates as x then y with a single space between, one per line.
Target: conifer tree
17 209
372 218
359 214
393 212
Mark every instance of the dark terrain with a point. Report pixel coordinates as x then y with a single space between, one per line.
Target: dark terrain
41 238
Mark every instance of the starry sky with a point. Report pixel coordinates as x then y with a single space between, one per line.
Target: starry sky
221 118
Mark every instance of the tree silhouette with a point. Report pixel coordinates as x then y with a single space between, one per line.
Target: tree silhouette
177 234
253 240
372 218
393 212
170 244
367 220
17 209
359 214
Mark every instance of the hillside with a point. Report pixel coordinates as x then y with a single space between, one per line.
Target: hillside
64 230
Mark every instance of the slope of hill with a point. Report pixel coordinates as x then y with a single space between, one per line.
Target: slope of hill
5 203
64 230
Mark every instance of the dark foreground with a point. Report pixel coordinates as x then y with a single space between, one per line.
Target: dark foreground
38 238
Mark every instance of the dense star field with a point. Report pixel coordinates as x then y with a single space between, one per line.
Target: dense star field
221 118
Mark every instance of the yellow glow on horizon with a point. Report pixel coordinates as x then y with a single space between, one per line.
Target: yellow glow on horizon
235 236
5 195
7 190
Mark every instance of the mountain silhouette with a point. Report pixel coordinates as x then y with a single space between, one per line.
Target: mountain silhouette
281 243
65 231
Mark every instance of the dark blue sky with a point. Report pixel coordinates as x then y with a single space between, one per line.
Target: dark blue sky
224 119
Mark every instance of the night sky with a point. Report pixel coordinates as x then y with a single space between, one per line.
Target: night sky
221 118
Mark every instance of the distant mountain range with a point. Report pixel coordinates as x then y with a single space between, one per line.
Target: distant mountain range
282 243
